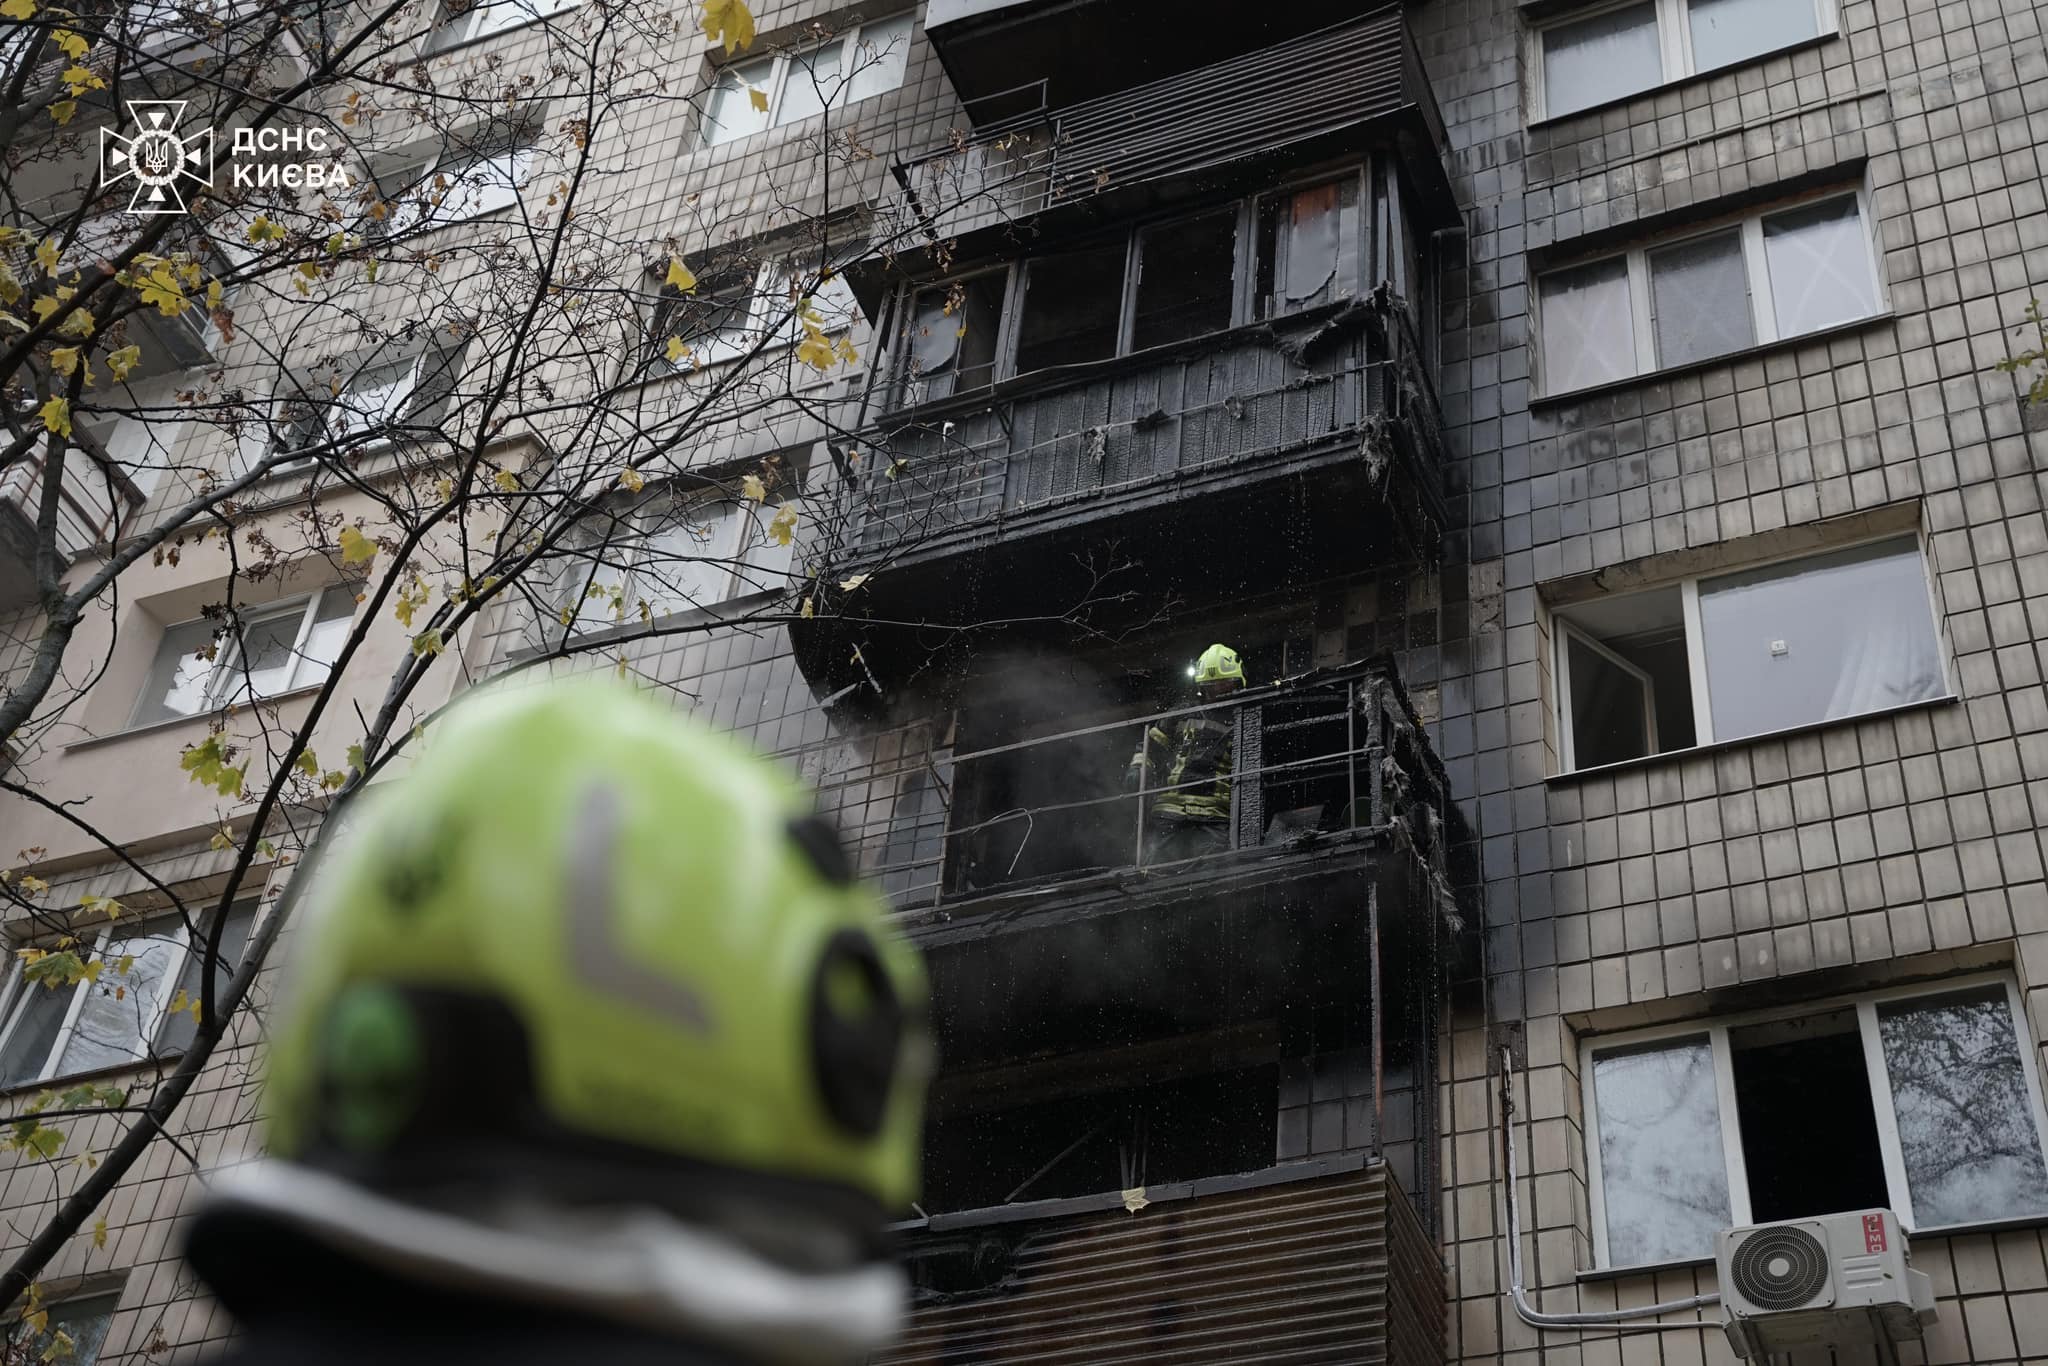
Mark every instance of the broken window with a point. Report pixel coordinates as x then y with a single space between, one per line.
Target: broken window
1921 1101
1186 278
1121 1135
951 343
1308 247
915 849
1071 307
1819 638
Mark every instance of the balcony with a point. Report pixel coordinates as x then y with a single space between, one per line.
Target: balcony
1307 1263
93 501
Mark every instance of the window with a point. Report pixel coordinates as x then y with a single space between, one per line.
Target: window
1923 1100
74 1334
202 666
1308 243
735 308
50 1032
358 408
1186 278
770 92
1789 644
951 346
456 188
465 22
1765 278
674 552
1592 59
1071 307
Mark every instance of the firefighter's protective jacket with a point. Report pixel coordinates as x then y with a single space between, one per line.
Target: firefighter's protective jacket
1193 764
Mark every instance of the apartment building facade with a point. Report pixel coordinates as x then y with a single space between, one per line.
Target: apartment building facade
1584 422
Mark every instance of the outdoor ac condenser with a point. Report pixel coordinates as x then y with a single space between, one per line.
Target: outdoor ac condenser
1836 1280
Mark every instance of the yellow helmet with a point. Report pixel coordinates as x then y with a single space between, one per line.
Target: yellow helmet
1219 664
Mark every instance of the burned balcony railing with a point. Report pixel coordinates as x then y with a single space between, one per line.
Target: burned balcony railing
1302 94
1342 393
1269 1267
1316 760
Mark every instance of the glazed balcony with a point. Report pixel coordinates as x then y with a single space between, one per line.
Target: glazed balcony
1305 1263
94 499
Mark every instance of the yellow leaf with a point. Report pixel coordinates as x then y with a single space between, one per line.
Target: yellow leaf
99 1231
1134 1199
80 80
62 111
730 22
679 276
759 99
126 965
64 360
18 9
444 489
783 529
72 45
676 350
632 480
33 885
752 489
57 415
263 229
428 643
356 548
507 481
124 360
46 255
848 585
807 611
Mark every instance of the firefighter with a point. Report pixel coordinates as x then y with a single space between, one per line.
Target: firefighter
589 1049
1189 770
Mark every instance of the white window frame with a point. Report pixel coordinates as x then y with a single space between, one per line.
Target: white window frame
19 991
777 86
1566 633
487 18
1756 267
1562 625
351 427
1674 47
1876 1073
411 206
768 299
628 555
226 676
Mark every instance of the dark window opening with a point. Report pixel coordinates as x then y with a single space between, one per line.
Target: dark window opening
952 341
1626 678
1797 1083
1186 279
1308 243
1215 1124
1071 307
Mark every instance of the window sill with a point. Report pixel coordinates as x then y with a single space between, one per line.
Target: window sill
1548 121
1724 746
172 722
428 54
730 612
1540 402
64 1080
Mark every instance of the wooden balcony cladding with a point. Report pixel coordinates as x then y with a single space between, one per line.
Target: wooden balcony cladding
1326 1270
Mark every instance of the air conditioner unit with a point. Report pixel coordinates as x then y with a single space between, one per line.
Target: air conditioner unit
1833 1281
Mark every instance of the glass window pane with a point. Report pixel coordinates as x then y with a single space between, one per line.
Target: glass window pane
1071 307
1186 278
1818 639
688 560
28 1047
881 57
592 583
263 666
768 561
1966 1120
372 399
179 1030
1610 707
813 80
177 681
1308 244
1728 31
1663 1175
1602 58
1700 294
482 185
730 112
326 636
120 1011
1821 271
1589 331
952 337
84 1322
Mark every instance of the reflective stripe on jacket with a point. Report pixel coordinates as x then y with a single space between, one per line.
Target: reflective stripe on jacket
1195 768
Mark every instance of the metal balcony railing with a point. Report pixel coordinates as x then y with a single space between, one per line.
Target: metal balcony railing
1315 759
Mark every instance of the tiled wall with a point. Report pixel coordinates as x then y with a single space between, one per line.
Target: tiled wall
1858 852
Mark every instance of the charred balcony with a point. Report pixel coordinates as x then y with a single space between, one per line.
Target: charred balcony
1310 1262
1213 399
